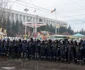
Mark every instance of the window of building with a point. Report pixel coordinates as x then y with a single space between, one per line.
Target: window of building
17 16
24 18
33 19
30 18
27 18
12 16
20 17
40 20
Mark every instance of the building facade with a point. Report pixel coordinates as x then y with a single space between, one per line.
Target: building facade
25 17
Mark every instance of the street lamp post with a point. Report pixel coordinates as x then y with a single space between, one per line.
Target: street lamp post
26 10
57 29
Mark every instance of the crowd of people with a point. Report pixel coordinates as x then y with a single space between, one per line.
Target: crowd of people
60 51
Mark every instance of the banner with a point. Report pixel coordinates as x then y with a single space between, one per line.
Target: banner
0 29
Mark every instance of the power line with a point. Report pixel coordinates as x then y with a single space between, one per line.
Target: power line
37 7
34 6
42 9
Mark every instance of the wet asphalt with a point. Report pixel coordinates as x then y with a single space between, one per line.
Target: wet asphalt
25 64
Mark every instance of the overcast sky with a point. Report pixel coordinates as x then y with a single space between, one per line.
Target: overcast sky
70 11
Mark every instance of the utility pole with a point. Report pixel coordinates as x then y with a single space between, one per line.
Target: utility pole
35 26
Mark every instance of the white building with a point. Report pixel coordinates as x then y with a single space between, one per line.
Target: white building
25 17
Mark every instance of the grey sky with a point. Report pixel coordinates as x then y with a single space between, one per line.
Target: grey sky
70 11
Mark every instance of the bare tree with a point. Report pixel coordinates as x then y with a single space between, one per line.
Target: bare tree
4 12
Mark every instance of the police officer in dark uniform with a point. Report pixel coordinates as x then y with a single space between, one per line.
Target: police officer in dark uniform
11 50
46 50
4 47
19 48
58 51
66 51
78 45
69 51
1 48
23 48
42 50
62 51
37 49
7 47
27 49
83 52
32 48
73 50
54 50
50 50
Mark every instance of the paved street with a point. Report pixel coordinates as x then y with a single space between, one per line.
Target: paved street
23 64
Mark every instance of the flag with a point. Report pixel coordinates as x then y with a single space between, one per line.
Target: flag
53 10
43 37
39 33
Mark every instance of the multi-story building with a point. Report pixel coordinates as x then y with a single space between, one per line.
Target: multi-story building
25 17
